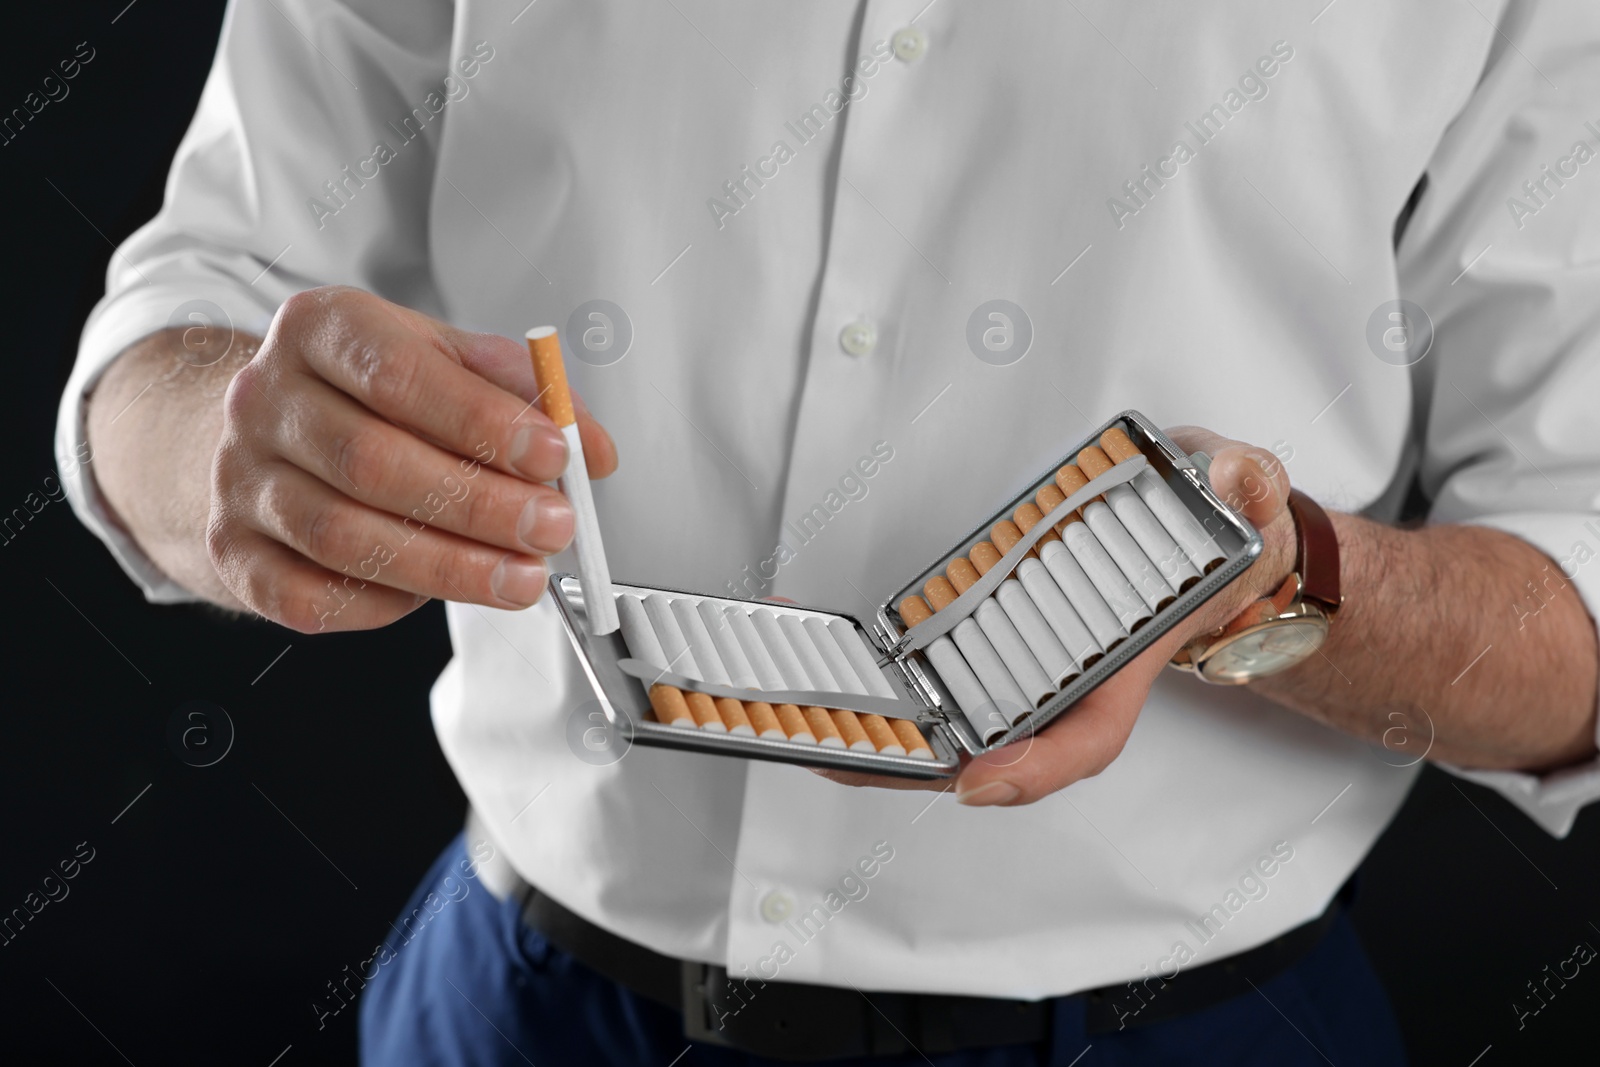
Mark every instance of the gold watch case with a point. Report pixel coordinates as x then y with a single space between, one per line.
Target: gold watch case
1260 650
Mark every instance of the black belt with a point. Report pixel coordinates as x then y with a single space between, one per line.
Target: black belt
795 1021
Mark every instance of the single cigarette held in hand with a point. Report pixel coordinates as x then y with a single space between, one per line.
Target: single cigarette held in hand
556 401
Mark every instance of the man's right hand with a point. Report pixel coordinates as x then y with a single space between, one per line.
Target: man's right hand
370 458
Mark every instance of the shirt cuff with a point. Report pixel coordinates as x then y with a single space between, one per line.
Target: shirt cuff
115 324
1572 540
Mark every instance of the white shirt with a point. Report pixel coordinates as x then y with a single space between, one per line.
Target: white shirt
985 158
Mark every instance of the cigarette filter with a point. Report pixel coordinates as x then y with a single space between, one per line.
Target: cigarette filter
670 707
734 717
556 401
793 722
765 720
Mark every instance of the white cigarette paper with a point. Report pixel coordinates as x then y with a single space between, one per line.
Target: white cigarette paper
861 658
844 673
637 633
1157 545
782 653
700 646
1138 569
733 658
1178 520
1081 593
1063 621
1013 652
805 651
658 609
755 650
1025 615
957 676
1109 581
599 602
1004 702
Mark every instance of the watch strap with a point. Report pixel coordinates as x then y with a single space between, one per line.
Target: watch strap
1318 552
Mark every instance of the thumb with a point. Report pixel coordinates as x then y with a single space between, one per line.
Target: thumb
1252 481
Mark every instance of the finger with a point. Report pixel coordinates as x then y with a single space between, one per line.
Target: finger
1079 745
331 529
505 363
1251 480
327 434
410 370
283 586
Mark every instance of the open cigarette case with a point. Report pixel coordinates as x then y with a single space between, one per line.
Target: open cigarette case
1047 598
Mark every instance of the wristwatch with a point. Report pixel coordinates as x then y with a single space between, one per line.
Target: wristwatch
1306 604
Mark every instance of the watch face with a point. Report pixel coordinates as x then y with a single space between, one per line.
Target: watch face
1264 649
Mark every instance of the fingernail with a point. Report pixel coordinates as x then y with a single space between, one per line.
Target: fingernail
546 524
517 580
988 795
539 452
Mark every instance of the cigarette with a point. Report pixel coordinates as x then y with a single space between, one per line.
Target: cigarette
792 721
1116 540
838 666
850 729
715 618
1003 637
782 653
911 738
854 647
1163 502
1109 580
704 710
883 740
1052 603
755 650
822 727
965 689
700 646
556 401
658 608
1082 553
1069 574
1052 656
637 633
765 720
670 707
1158 546
734 718
806 652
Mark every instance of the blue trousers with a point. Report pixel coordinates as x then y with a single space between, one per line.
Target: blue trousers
474 984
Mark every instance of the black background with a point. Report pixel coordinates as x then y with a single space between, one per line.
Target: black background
218 906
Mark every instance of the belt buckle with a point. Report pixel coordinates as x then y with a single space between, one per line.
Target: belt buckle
695 997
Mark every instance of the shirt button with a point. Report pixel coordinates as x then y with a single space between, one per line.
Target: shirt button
858 338
777 906
910 43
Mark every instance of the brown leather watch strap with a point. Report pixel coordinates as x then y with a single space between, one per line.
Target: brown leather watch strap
1318 562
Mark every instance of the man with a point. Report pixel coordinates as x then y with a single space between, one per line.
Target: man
776 236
